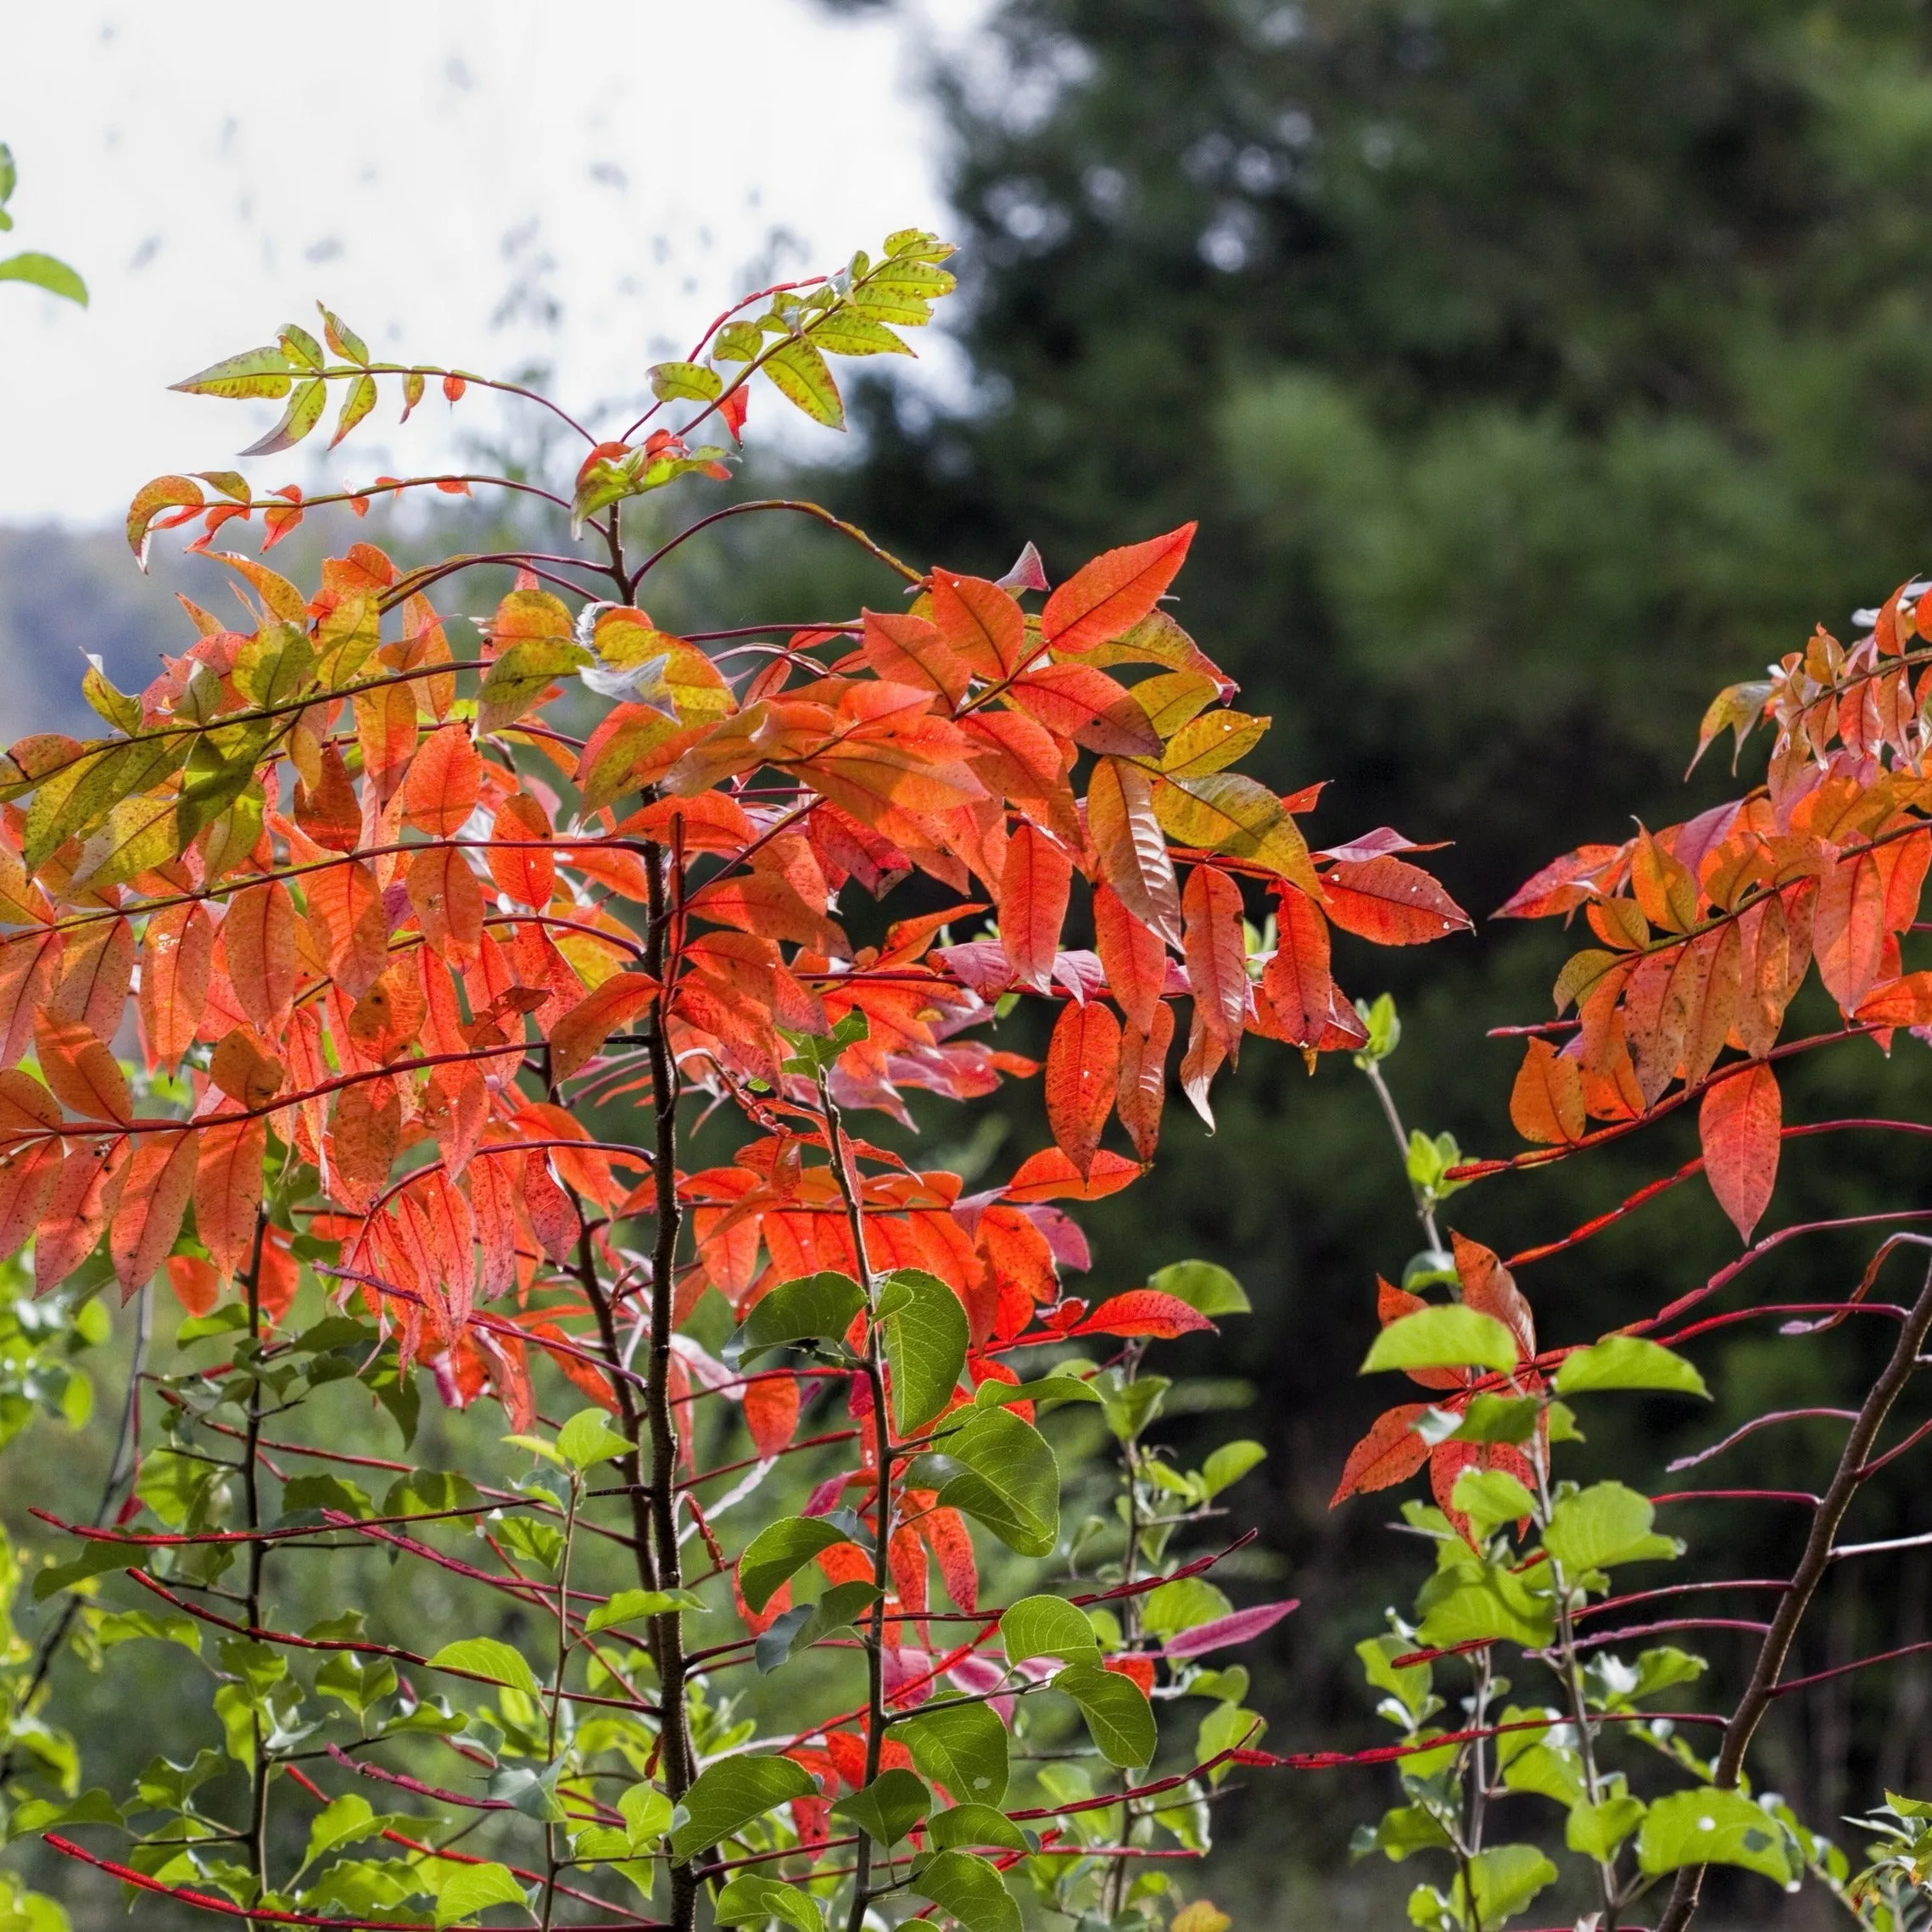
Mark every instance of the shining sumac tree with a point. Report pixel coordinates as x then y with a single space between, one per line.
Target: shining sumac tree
1704 934
502 1017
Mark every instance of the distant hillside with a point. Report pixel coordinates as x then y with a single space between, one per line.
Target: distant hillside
63 593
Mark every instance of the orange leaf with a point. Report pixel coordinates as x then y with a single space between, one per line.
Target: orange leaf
1083 1067
771 1412
444 782
28 1112
176 950
81 1071
524 872
553 1220
1132 955
1113 592
385 728
1131 847
1906 1001
905 649
1391 901
1849 927
258 938
30 966
148 1217
1489 1289
1143 1311
583 1030
83 1198
197 1285
1035 883
227 1190
94 978
952 1546
244 1070
348 924
27 1183
982 624
1049 1175
1216 954
1390 1453
361 1141
1740 1124
1143 1091
1088 707
447 901
1546 1104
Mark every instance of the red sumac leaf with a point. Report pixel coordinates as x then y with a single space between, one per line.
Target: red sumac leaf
1132 956
1740 1123
27 1182
1217 954
1390 1453
159 1181
177 952
1083 1065
258 938
1391 901
1034 884
1143 1311
228 1189
83 1199
444 782
1141 1093
771 1412
1049 1175
553 1220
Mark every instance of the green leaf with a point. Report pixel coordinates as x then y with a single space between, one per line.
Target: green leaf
1400 1834
647 1816
1506 1878
304 412
962 1747
472 1889
811 1308
485 1658
731 1792
685 382
1118 1718
1011 1482
751 1897
1605 1524
800 1628
1490 1498
1629 1361
587 1438
1488 1419
1448 1337
1047 1627
799 374
1597 1830
1208 1289
1184 1603
355 404
925 1339
1709 1826
45 271
967 1825
779 1550
346 1820
626 1607
120 1625
843 333
1228 1464
971 1889
517 679
888 1807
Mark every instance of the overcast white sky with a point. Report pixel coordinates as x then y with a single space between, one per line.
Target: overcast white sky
413 162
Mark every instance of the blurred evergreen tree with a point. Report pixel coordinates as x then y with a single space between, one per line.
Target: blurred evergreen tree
1534 367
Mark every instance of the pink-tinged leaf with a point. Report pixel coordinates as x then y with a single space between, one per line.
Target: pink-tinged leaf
1740 1124
1112 594
1144 1311
1237 1629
